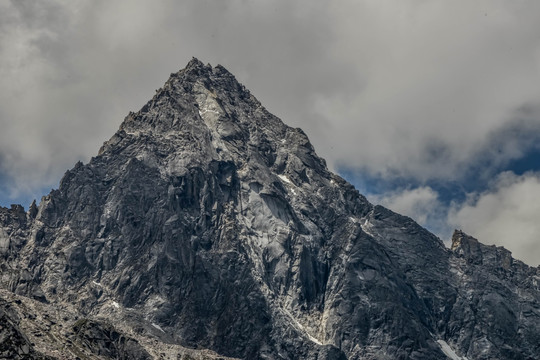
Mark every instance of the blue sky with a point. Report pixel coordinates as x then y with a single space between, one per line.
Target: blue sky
431 108
449 192
6 199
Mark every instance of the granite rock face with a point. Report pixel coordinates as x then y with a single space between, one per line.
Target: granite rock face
14 344
206 223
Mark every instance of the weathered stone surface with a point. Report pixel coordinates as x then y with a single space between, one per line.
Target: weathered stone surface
206 222
14 344
497 310
104 341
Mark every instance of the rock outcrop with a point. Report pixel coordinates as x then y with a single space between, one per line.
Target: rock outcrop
206 223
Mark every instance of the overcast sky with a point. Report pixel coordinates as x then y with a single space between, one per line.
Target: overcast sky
431 108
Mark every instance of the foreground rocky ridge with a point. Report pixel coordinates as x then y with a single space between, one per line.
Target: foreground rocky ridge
206 223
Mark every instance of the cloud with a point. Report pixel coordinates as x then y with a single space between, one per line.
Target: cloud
513 140
505 215
416 203
435 80
422 204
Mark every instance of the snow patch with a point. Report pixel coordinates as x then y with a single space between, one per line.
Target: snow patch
366 227
302 329
205 110
171 219
116 305
158 327
96 283
286 179
449 352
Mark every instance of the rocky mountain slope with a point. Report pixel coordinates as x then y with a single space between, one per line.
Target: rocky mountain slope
207 228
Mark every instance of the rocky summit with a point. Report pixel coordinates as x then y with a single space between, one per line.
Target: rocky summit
206 228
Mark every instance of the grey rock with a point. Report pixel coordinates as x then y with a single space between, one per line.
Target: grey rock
207 223
104 341
14 344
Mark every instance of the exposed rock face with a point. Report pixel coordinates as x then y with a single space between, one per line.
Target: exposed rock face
105 341
14 344
207 223
497 306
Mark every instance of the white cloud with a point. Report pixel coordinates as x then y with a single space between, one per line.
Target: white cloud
422 204
416 203
505 215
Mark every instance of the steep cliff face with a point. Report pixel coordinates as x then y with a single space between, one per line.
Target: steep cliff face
496 310
205 222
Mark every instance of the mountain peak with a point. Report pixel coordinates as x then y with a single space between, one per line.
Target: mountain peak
207 222
203 112
194 68
197 70
194 63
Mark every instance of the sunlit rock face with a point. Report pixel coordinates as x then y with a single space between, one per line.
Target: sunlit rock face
206 227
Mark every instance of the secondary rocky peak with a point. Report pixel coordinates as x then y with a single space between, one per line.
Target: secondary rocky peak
475 252
466 246
462 241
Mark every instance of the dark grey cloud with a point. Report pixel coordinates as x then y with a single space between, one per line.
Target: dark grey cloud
511 141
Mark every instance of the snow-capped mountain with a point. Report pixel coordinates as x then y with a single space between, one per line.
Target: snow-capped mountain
207 228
